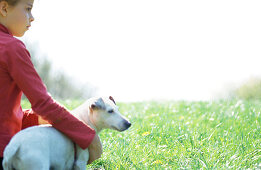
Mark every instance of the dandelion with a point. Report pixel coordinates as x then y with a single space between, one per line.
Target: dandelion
157 162
181 117
145 133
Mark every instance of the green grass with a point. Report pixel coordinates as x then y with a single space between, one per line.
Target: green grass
184 135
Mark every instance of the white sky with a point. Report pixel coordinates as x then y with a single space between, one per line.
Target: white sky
152 49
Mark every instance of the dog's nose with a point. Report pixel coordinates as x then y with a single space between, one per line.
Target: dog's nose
127 124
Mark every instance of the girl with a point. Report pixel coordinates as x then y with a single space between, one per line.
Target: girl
17 75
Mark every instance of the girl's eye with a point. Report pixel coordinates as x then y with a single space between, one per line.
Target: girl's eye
28 9
110 111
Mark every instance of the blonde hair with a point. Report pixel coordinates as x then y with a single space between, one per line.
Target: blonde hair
11 2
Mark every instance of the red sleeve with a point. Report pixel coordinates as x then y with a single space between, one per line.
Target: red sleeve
24 74
29 119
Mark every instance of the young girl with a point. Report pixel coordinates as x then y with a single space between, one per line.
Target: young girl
17 75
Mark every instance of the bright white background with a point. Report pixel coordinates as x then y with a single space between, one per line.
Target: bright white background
151 49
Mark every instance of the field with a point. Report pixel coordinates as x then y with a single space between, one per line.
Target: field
184 135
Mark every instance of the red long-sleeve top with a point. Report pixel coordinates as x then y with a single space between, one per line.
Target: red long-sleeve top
17 76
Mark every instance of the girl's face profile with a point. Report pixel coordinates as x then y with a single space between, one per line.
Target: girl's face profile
19 17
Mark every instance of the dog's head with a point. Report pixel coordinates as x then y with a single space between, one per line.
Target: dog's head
105 115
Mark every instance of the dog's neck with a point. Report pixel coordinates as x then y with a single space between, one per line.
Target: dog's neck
81 115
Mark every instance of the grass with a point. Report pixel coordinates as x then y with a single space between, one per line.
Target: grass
184 135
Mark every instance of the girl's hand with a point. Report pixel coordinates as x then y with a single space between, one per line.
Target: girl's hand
42 121
95 149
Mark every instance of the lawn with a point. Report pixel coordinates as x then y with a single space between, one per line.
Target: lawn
184 135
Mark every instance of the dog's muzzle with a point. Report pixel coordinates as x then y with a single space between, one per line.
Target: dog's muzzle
127 124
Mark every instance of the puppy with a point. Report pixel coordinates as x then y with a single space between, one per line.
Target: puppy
44 148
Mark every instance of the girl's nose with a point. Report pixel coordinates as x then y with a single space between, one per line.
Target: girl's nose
31 18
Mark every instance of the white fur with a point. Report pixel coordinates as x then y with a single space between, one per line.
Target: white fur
44 148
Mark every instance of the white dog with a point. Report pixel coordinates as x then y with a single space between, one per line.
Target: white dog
45 148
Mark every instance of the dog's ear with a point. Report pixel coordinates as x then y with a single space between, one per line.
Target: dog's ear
111 98
98 104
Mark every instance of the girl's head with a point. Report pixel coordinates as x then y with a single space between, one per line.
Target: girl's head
16 15
11 2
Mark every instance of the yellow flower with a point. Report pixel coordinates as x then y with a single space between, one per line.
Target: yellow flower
157 162
181 117
145 133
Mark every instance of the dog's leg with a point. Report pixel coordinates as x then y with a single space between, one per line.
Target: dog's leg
82 157
33 164
32 160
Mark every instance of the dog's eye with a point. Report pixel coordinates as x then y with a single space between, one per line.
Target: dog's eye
110 111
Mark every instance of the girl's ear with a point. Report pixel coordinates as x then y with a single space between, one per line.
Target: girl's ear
3 8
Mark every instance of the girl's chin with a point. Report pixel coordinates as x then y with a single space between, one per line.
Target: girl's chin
19 34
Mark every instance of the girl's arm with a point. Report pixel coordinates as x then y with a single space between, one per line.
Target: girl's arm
32 119
22 71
